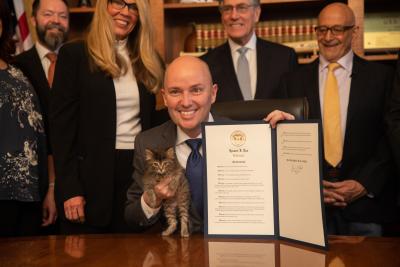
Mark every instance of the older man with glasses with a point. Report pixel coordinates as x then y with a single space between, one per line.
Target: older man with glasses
247 67
348 94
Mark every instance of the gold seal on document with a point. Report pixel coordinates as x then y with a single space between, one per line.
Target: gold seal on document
238 138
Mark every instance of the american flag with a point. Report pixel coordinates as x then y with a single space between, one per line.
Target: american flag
20 25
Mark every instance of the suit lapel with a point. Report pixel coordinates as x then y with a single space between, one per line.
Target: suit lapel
169 134
37 70
311 85
263 66
231 82
356 95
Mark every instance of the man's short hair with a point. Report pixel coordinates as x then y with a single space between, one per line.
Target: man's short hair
36 3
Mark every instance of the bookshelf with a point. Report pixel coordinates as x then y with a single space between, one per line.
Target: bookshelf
173 20
173 32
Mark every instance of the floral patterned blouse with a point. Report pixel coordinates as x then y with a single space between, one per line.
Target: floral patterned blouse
22 138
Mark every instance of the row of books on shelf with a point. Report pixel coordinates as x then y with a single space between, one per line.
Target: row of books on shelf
298 34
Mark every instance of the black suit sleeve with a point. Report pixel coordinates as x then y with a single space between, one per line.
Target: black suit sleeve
293 60
393 121
64 120
393 118
292 66
377 170
283 86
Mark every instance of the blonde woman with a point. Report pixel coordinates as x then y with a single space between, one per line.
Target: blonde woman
102 97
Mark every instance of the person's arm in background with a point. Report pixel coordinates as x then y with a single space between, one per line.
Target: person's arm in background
49 209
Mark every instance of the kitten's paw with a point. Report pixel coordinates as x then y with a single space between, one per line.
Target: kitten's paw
185 233
168 231
165 233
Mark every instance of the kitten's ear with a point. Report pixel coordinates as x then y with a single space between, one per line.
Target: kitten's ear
170 153
149 154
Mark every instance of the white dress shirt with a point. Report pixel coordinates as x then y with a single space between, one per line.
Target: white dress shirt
42 52
251 56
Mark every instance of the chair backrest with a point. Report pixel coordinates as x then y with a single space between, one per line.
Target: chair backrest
260 108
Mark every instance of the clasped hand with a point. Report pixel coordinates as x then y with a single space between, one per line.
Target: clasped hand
340 194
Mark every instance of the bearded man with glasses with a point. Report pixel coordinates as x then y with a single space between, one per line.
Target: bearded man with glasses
348 94
247 67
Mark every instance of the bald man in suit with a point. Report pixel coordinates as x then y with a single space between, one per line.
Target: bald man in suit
358 186
188 94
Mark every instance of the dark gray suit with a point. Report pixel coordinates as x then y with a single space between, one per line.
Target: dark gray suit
163 137
273 60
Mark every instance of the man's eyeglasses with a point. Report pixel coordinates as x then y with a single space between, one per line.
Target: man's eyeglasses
241 8
335 30
120 4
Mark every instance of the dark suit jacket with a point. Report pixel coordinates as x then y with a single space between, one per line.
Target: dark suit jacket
162 137
30 64
273 60
83 125
365 150
393 120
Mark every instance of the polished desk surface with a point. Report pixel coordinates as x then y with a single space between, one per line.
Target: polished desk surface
154 250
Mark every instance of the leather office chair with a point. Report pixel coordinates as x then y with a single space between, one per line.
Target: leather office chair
258 109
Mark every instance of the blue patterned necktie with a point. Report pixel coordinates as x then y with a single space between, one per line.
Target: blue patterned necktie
194 174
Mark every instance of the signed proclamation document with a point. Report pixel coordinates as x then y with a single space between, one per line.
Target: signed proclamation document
299 183
263 182
239 179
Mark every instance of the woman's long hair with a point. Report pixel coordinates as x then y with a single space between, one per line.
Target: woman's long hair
7 44
146 63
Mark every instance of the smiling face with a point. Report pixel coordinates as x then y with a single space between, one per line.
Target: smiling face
240 25
124 20
333 47
52 23
188 93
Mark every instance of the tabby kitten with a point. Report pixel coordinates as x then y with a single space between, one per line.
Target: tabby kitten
162 164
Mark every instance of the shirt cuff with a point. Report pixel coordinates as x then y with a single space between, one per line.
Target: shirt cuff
148 211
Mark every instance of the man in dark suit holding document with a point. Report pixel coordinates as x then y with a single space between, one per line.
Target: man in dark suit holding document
188 94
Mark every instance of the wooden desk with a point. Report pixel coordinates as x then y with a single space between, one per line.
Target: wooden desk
153 250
